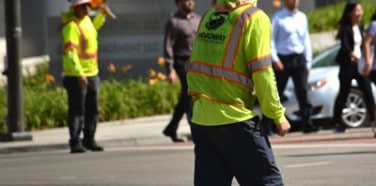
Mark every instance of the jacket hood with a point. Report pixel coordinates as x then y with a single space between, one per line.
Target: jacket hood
226 2
67 16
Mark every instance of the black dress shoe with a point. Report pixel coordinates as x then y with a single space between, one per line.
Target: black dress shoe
174 137
77 148
309 128
92 145
338 128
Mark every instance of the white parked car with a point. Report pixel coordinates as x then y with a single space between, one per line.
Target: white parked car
324 87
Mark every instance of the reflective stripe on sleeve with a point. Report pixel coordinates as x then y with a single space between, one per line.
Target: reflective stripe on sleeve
260 63
70 45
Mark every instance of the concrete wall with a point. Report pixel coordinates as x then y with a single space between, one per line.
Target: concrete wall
35 14
2 19
34 24
134 38
2 33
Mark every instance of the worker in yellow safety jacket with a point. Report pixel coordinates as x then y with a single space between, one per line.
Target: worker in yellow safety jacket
80 66
230 67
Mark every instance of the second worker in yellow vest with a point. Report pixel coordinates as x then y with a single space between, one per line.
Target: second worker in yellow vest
80 68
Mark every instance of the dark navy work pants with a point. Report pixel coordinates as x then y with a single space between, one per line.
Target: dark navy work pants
82 107
240 150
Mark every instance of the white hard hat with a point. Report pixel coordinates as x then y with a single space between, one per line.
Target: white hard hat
78 2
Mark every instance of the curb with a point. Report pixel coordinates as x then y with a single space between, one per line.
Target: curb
358 135
111 143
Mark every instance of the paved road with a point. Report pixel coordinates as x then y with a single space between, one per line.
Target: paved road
328 165
171 164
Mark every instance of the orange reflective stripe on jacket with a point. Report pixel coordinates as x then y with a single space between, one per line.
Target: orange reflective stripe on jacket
235 36
83 54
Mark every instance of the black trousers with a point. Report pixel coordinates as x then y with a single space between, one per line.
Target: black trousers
295 67
347 73
184 105
372 76
82 107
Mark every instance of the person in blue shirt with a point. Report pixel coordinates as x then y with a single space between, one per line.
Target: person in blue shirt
369 47
292 55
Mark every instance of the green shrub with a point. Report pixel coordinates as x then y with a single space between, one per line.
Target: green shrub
45 105
135 98
3 109
326 18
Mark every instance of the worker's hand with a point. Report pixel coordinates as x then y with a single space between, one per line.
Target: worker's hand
171 78
106 10
278 66
83 80
283 128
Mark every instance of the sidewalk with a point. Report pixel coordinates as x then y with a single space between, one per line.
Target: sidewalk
131 132
148 131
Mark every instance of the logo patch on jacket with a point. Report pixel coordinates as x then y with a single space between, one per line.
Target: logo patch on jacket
215 21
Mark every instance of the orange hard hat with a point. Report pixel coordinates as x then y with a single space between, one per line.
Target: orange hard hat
96 3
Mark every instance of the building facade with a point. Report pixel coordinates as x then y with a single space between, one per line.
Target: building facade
135 38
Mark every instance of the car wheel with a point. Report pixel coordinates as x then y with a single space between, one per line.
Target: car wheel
355 114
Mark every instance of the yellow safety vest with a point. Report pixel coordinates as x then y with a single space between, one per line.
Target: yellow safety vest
230 53
80 46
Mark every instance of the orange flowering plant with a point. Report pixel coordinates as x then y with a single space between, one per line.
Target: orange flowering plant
154 76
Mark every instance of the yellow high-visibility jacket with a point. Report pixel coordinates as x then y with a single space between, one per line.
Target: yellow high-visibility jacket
80 45
230 67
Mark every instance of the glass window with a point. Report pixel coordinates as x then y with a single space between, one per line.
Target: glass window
326 57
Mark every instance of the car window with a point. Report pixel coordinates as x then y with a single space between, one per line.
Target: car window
326 57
